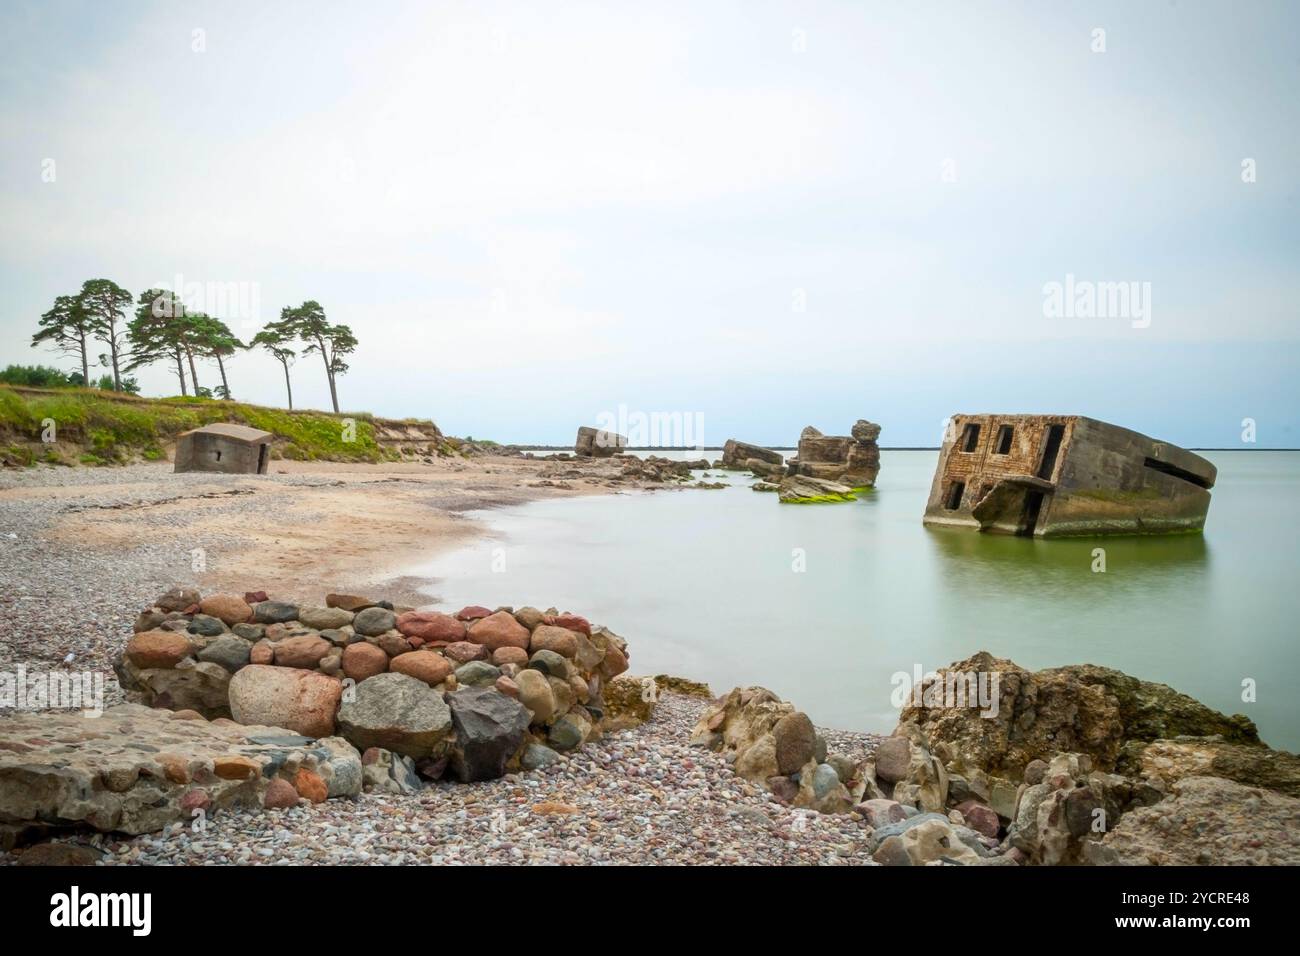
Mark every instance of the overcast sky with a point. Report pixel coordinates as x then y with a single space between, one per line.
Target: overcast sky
766 214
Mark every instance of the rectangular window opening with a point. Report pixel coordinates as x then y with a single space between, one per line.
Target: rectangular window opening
970 438
1053 447
955 491
1004 439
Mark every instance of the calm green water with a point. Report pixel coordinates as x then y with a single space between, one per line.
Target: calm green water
702 584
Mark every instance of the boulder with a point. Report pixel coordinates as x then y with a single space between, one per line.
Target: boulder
202 687
490 726
423 665
893 757
299 700
571 622
149 649
396 712
228 608
387 772
735 455
373 621
852 460
274 612
132 770
558 639
549 663
348 602
529 617
280 795
229 651
499 630
570 731
431 626
1085 709
462 652
805 489
509 655
1208 821
477 674
205 625
536 695
310 786
794 738
629 702
537 756
177 599
1255 766
324 618
305 651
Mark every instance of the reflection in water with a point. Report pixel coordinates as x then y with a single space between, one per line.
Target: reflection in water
705 584
996 560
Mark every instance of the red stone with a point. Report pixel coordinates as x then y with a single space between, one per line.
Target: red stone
196 799
362 660
979 818
430 626
474 612
280 795
465 651
310 785
499 630
573 622
158 649
427 666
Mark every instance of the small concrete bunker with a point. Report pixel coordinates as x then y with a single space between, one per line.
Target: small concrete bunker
1055 475
229 448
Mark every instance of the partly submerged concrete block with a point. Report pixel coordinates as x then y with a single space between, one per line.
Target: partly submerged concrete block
1051 475
594 443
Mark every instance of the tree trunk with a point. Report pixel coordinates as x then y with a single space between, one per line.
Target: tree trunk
224 384
194 376
180 371
85 363
112 348
287 387
329 374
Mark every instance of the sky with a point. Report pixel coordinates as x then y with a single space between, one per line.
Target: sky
753 215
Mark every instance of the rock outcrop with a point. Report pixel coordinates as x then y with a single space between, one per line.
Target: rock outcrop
742 456
1208 821
852 460
803 490
136 769
1082 765
1103 713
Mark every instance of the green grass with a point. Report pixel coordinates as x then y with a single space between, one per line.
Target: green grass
118 429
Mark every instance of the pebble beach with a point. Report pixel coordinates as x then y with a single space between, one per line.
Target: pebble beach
633 796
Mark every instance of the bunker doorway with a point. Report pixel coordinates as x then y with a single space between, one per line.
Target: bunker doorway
1029 516
1051 449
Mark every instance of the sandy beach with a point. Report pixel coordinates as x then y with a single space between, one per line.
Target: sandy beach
306 527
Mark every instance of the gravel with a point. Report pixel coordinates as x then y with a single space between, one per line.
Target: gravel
58 599
639 796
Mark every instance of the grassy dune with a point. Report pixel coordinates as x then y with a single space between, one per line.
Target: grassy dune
97 427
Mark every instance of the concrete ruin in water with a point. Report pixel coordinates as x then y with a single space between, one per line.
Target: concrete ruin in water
227 448
1055 475
595 443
